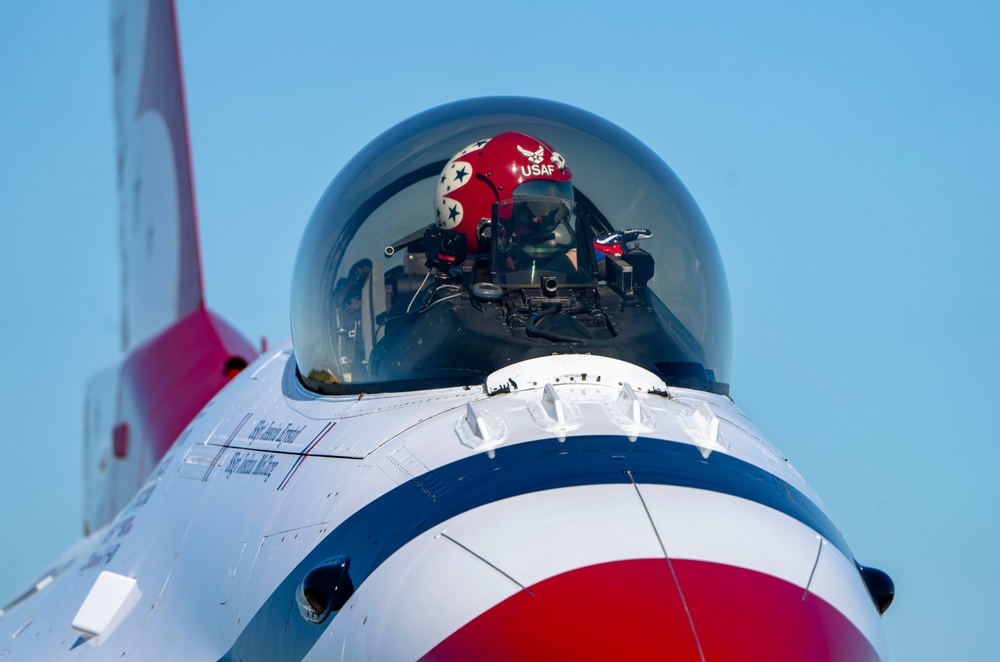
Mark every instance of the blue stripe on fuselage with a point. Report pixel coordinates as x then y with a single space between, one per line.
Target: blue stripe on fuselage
377 530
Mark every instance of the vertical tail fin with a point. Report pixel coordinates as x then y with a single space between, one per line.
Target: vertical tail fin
178 354
161 266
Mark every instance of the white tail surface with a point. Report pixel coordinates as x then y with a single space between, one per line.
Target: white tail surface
161 267
177 353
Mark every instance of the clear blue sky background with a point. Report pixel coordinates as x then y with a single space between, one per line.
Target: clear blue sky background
845 155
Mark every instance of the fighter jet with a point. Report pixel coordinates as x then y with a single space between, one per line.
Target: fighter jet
501 429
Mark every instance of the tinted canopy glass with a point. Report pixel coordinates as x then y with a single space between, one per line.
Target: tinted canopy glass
621 263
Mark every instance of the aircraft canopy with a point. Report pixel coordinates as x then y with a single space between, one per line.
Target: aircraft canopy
385 299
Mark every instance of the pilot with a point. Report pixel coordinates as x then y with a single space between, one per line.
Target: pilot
530 185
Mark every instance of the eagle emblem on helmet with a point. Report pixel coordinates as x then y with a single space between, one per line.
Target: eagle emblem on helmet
535 157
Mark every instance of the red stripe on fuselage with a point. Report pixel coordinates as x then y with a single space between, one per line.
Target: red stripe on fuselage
632 610
745 615
626 610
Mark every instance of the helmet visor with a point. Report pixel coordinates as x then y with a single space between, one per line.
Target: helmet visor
539 233
537 206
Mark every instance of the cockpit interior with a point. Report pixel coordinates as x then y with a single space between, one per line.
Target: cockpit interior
391 293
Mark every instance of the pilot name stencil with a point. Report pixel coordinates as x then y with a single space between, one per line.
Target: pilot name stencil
251 464
281 433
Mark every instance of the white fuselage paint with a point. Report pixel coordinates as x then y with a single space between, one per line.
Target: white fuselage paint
269 469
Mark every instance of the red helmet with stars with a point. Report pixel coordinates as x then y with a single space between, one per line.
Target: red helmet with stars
493 171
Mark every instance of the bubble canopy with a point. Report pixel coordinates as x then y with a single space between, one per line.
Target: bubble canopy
385 300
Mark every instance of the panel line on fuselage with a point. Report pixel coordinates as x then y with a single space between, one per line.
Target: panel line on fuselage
376 531
673 573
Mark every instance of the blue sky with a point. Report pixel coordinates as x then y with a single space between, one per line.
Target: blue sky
845 157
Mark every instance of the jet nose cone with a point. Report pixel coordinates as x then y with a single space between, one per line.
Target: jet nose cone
550 574
603 572
628 610
654 609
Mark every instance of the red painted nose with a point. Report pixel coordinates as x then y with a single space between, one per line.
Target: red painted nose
649 609
628 610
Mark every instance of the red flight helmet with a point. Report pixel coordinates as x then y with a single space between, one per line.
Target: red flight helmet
492 171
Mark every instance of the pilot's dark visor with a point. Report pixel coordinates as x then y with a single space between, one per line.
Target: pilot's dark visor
539 204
